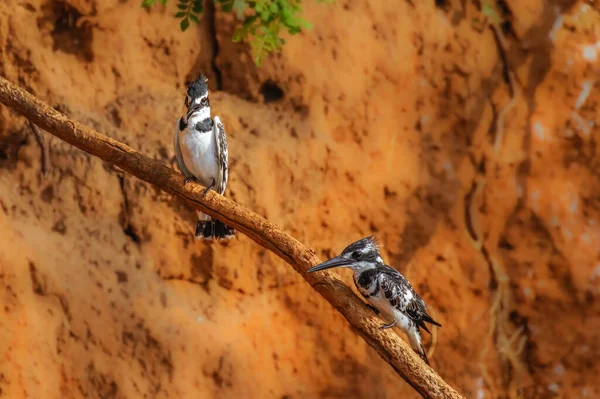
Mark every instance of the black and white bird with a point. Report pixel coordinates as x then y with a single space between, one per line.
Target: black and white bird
201 150
388 291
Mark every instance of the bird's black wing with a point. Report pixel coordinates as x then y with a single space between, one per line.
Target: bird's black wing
222 155
403 297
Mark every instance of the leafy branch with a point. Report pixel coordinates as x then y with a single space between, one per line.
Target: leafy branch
262 21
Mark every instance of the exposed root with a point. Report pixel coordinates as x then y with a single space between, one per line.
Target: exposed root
471 215
513 86
509 341
499 139
45 156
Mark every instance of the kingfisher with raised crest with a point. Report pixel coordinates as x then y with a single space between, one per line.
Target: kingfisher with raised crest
201 151
388 292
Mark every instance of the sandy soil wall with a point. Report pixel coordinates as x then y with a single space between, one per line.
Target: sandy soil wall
472 155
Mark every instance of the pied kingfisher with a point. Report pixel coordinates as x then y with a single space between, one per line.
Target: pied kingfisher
388 291
201 151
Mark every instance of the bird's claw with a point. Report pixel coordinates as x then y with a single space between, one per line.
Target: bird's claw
386 326
207 189
189 179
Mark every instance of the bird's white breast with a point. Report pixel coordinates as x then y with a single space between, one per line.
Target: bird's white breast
198 153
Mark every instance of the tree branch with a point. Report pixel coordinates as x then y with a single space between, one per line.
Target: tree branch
389 346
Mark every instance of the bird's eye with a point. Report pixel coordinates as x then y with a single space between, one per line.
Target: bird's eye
356 254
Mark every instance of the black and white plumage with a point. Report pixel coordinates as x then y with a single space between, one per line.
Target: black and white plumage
201 151
388 291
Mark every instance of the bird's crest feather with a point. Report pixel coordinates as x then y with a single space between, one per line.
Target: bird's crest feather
198 87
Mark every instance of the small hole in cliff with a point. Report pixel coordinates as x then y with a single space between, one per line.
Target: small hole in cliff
10 146
271 92
506 27
68 35
130 232
121 276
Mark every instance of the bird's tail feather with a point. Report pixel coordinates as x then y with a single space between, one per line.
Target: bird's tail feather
421 324
414 337
428 319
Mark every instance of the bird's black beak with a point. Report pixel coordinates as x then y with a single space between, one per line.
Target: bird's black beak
193 108
331 263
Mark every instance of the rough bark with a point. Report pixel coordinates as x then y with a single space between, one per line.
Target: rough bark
387 344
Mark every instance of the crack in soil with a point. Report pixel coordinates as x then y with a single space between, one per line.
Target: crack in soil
210 17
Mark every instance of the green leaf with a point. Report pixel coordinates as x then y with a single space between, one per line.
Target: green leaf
185 23
239 6
197 6
291 23
487 9
285 14
249 21
263 21
227 7
304 23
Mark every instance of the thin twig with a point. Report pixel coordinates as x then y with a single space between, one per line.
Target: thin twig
43 149
387 344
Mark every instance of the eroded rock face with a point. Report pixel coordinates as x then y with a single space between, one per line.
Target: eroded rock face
472 155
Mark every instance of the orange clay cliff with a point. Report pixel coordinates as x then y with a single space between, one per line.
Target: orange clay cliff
467 143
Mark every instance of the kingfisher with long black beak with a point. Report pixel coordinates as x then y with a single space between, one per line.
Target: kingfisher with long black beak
387 291
201 150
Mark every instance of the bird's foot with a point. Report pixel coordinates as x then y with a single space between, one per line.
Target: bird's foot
207 189
374 309
189 179
385 326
